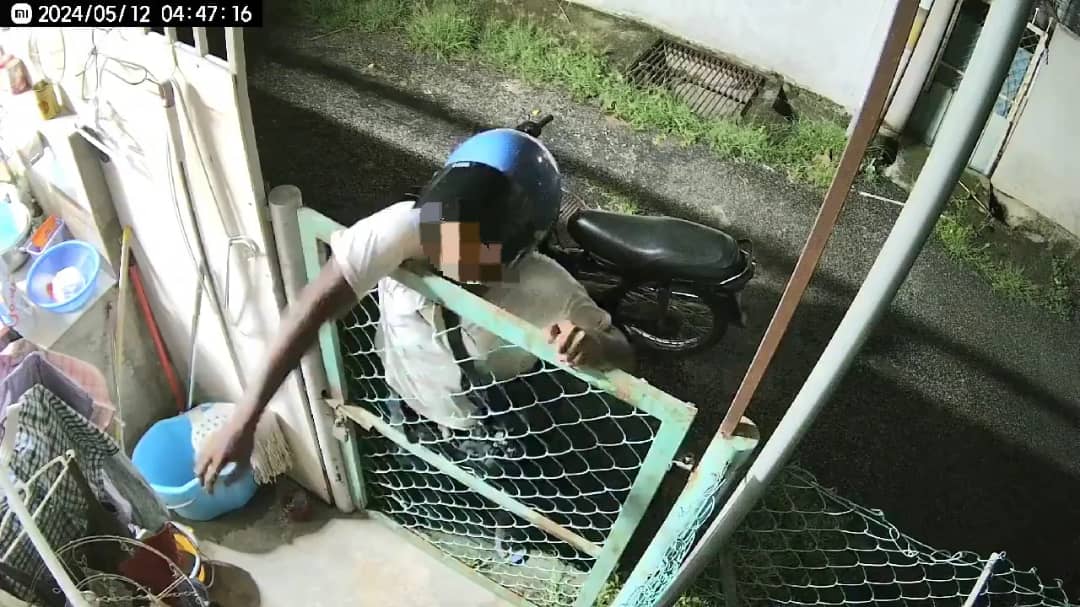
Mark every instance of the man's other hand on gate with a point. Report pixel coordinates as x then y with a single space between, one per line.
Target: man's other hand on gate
579 348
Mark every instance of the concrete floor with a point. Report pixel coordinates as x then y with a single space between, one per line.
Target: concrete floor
332 561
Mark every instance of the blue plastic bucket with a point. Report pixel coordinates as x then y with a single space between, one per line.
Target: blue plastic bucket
73 253
166 458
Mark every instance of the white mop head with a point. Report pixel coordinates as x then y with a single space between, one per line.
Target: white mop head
271 457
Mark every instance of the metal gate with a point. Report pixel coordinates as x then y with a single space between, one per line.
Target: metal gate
543 516
949 68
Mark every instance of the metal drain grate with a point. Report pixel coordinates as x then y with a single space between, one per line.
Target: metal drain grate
711 86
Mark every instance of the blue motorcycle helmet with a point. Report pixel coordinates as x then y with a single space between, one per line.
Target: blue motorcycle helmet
503 180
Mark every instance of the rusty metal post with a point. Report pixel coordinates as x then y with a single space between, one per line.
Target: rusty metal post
865 126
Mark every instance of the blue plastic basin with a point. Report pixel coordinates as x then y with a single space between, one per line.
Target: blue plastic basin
73 253
166 458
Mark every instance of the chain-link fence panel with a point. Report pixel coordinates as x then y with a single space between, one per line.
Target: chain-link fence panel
540 488
463 524
565 449
806 545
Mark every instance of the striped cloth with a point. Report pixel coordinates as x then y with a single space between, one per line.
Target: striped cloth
83 374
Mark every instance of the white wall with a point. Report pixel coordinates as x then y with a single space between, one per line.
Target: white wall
827 46
227 204
1040 165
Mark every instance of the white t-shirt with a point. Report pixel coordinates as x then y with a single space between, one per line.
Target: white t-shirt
417 358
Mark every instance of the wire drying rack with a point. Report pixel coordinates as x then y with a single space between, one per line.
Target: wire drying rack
17 493
94 587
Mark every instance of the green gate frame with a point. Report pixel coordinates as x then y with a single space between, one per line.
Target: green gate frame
675 416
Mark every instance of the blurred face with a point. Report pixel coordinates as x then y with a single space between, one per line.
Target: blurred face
456 250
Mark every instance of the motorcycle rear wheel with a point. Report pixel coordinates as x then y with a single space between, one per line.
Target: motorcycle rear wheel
671 319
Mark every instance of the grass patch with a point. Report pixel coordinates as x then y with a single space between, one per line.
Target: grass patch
1062 294
808 151
739 142
959 236
961 240
539 57
444 28
363 15
620 204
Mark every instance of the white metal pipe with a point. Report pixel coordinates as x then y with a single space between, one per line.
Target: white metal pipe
194 341
960 131
919 65
984 579
285 201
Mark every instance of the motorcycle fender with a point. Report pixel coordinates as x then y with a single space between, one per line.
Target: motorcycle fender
735 312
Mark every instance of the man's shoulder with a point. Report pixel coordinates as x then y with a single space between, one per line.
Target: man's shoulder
394 218
373 246
395 213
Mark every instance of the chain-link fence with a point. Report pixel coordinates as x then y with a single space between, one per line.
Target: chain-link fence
558 445
539 481
805 545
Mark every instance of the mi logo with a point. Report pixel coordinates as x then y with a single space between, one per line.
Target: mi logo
21 13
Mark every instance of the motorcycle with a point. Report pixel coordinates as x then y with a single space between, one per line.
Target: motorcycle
670 285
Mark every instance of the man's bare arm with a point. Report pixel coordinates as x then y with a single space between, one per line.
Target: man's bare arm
324 299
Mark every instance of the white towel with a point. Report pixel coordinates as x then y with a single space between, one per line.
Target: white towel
271 457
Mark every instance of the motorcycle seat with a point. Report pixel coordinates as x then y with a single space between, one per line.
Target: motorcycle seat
662 247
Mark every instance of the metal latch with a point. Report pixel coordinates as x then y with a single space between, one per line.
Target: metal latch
340 429
341 426
686 462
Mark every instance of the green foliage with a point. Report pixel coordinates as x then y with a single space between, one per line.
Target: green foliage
444 28
808 150
961 240
364 15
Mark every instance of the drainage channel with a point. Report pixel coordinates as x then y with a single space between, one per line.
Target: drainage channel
713 87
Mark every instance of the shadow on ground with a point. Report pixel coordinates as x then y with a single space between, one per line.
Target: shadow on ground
263 525
940 477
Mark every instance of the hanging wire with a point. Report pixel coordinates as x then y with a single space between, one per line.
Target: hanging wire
35 54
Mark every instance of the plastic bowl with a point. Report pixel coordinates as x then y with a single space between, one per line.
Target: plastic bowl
73 253
166 459
16 237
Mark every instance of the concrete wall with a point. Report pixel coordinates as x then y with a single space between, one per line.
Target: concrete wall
828 47
1039 166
